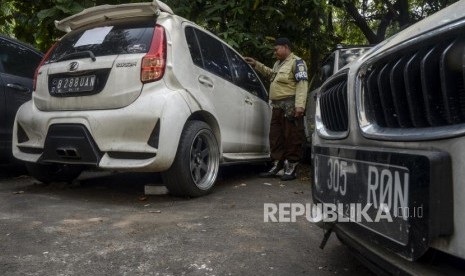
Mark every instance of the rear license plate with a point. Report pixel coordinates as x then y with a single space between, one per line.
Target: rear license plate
73 84
397 198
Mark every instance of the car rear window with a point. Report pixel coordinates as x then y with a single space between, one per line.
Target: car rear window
112 38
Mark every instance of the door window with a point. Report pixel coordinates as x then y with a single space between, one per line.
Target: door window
17 60
244 76
194 48
214 56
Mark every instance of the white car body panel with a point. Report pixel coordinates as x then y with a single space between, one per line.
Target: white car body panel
108 98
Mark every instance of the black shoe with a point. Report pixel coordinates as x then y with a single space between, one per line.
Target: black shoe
273 172
290 169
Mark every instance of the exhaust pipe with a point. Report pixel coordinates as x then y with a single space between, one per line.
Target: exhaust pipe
68 153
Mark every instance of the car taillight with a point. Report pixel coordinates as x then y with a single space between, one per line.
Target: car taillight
154 62
44 59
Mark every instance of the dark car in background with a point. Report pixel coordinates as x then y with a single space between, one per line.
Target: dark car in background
18 62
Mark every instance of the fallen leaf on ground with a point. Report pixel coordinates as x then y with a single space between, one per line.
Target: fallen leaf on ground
155 211
241 185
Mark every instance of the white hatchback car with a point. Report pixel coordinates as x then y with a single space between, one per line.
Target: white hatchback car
134 87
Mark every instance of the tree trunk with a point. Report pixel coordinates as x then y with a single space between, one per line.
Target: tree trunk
360 21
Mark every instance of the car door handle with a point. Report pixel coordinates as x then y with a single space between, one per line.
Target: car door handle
18 87
206 81
249 101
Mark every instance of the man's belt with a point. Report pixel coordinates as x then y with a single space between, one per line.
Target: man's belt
286 104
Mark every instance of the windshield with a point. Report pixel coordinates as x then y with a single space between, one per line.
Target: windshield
103 40
348 55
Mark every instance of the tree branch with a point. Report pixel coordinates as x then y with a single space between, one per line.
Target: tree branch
360 21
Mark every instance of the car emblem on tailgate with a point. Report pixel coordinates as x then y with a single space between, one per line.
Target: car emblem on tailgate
73 66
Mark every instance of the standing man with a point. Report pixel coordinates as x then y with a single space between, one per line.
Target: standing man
288 94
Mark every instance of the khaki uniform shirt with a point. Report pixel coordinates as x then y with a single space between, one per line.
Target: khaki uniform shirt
288 78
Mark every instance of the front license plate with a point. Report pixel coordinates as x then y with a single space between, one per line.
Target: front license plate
372 194
73 84
399 199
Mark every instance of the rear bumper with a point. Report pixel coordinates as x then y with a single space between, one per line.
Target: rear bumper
120 135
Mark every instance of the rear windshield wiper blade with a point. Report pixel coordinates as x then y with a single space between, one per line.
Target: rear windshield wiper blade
77 55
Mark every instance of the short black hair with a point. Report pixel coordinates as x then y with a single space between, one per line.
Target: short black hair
283 41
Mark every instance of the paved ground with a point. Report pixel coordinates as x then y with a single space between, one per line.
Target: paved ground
104 225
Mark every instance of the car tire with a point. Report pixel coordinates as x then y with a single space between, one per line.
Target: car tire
195 167
47 173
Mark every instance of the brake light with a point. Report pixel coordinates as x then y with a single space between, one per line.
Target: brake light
44 59
154 62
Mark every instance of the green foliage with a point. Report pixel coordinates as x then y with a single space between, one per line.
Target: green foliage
33 22
383 18
250 26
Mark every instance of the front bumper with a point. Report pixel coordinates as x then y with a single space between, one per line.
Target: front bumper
384 262
436 188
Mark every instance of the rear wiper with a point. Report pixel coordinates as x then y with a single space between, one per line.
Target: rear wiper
77 55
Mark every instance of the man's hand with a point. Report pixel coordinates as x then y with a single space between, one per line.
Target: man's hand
299 112
250 61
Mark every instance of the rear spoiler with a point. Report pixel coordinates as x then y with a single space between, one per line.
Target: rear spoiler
107 12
